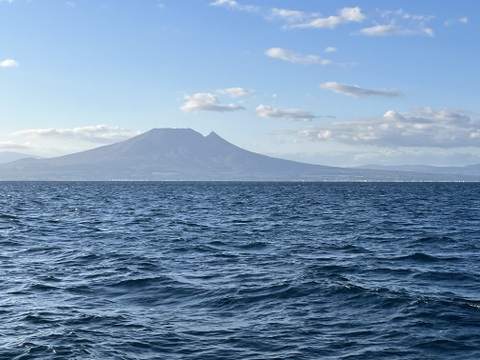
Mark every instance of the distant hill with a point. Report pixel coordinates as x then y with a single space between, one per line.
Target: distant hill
8 156
184 154
468 170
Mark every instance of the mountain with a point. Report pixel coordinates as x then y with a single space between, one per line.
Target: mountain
184 154
8 156
468 170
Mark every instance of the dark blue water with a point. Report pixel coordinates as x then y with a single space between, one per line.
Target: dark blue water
239 271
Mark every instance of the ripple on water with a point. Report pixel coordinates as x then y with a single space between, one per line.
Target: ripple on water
239 271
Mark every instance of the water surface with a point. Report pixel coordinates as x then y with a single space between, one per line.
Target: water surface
239 270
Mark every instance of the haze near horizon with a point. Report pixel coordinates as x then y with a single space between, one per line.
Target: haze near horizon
332 83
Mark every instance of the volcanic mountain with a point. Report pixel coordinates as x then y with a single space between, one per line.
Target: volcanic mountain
181 154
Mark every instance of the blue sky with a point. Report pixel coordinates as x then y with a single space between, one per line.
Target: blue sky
322 81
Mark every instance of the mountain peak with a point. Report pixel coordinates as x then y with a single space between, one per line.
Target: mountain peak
213 134
184 154
159 132
170 130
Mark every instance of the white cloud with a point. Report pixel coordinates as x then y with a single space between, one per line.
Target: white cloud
235 92
331 49
291 56
70 4
290 16
8 63
232 4
10 145
296 18
207 102
289 114
345 15
423 127
400 23
356 91
385 23
95 133
462 20
392 29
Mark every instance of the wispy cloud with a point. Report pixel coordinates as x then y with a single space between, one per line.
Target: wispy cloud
95 133
236 92
331 49
70 4
291 56
265 111
296 18
289 16
232 4
10 145
393 29
8 63
345 15
207 102
357 91
384 22
423 127
400 23
462 21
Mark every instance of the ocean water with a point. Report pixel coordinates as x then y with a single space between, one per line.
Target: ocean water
239 270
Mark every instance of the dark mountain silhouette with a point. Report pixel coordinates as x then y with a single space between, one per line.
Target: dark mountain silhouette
184 154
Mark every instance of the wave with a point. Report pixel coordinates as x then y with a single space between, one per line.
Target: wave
420 257
238 271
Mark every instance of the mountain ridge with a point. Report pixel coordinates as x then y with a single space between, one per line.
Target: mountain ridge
473 170
184 154
9 156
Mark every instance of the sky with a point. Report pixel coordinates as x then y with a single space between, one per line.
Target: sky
331 82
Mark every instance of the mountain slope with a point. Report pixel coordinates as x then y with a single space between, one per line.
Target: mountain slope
183 154
8 156
468 170
159 154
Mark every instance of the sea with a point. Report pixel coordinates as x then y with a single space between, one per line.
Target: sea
239 270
